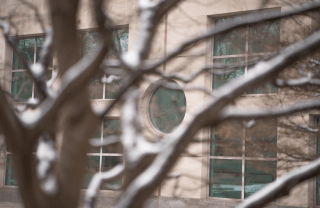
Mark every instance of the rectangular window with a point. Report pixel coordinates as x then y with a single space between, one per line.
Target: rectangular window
317 124
104 158
243 46
97 89
22 87
242 161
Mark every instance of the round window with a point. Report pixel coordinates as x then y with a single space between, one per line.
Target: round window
167 108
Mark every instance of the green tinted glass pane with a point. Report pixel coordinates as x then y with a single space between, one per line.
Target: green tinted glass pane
92 167
91 41
110 127
10 179
21 86
96 88
49 75
258 174
96 135
39 46
26 47
226 140
219 80
229 43
225 178
264 37
261 139
167 108
120 38
113 89
318 190
109 162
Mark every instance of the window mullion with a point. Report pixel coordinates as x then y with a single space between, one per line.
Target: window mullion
243 163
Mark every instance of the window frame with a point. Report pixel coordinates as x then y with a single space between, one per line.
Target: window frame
243 160
35 37
316 120
246 55
101 154
82 34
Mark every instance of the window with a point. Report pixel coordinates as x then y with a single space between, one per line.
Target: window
22 87
242 161
104 158
97 89
167 108
244 45
317 191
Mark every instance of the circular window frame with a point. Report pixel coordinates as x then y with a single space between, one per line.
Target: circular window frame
146 98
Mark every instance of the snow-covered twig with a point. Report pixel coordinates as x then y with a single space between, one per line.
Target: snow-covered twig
47 155
297 82
281 186
96 181
245 20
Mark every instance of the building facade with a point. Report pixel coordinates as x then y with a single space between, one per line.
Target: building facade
218 173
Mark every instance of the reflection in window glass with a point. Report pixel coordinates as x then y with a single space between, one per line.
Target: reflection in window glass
106 157
226 140
21 86
108 162
111 127
261 139
26 47
258 174
244 42
225 178
10 179
264 37
90 44
233 42
167 108
219 80
92 167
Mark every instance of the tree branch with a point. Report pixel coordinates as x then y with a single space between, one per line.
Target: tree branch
96 181
282 185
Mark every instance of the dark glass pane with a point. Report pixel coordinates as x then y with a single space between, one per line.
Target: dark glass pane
108 162
226 139
111 127
261 139
225 178
219 80
167 108
96 135
318 190
120 38
258 174
39 46
264 37
10 179
26 47
96 87
91 41
21 86
233 42
49 75
92 167
113 89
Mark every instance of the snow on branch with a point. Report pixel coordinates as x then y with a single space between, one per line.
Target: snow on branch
297 82
47 155
281 186
237 113
209 114
96 181
245 20
35 70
